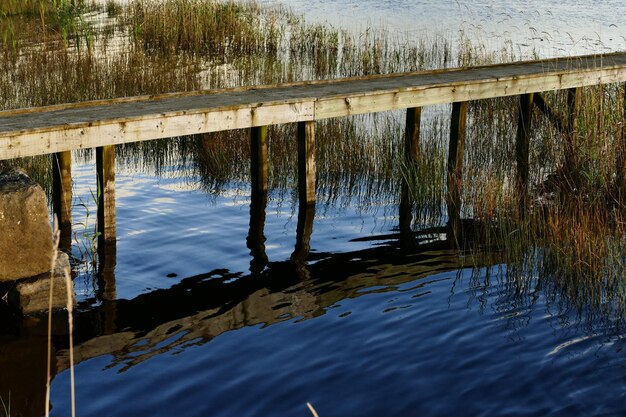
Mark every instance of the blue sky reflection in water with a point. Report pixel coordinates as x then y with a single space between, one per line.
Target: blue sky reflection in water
363 329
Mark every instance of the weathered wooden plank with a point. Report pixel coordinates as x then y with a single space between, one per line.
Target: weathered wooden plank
62 196
455 169
103 133
522 146
456 92
306 162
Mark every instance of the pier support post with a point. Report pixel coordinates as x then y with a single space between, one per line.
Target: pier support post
107 246
105 167
411 155
258 159
573 106
455 169
621 156
258 199
412 134
62 196
522 147
306 162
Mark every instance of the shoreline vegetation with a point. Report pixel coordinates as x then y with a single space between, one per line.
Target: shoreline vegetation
573 230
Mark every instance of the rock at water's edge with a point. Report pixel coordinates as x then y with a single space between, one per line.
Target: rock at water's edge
25 234
32 295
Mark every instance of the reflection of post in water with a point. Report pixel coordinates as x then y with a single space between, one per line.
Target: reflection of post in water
258 203
62 195
306 214
406 216
23 364
107 248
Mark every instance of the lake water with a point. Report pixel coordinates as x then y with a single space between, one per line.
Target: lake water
207 318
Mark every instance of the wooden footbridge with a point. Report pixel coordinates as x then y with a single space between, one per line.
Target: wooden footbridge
101 124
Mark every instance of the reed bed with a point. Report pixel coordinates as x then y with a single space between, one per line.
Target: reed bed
573 228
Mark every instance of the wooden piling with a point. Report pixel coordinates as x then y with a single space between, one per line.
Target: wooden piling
107 245
105 167
620 167
412 133
258 159
411 154
570 153
522 146
455 168
62 195
306 162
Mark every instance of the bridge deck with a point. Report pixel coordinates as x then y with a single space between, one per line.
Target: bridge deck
44 130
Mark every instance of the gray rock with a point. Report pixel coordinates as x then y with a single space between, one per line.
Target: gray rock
25 233
32 295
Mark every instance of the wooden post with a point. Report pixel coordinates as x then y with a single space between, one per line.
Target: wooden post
573 106
571 160
412 133
107 245
258 159
306 162
105 167
62 195
258 203
522 146
621 157
411 154
455 169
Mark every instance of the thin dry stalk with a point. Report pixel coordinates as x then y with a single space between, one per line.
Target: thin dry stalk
312 410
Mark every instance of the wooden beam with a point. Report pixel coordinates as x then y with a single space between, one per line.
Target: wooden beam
412 133
62 196
306 162
522 146
105 167
560 123
258 159
455 169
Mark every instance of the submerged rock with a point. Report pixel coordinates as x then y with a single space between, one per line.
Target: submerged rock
26 248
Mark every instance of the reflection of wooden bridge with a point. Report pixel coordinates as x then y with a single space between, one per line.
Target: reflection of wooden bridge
101 124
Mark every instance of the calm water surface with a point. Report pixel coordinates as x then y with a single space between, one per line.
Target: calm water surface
200 324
